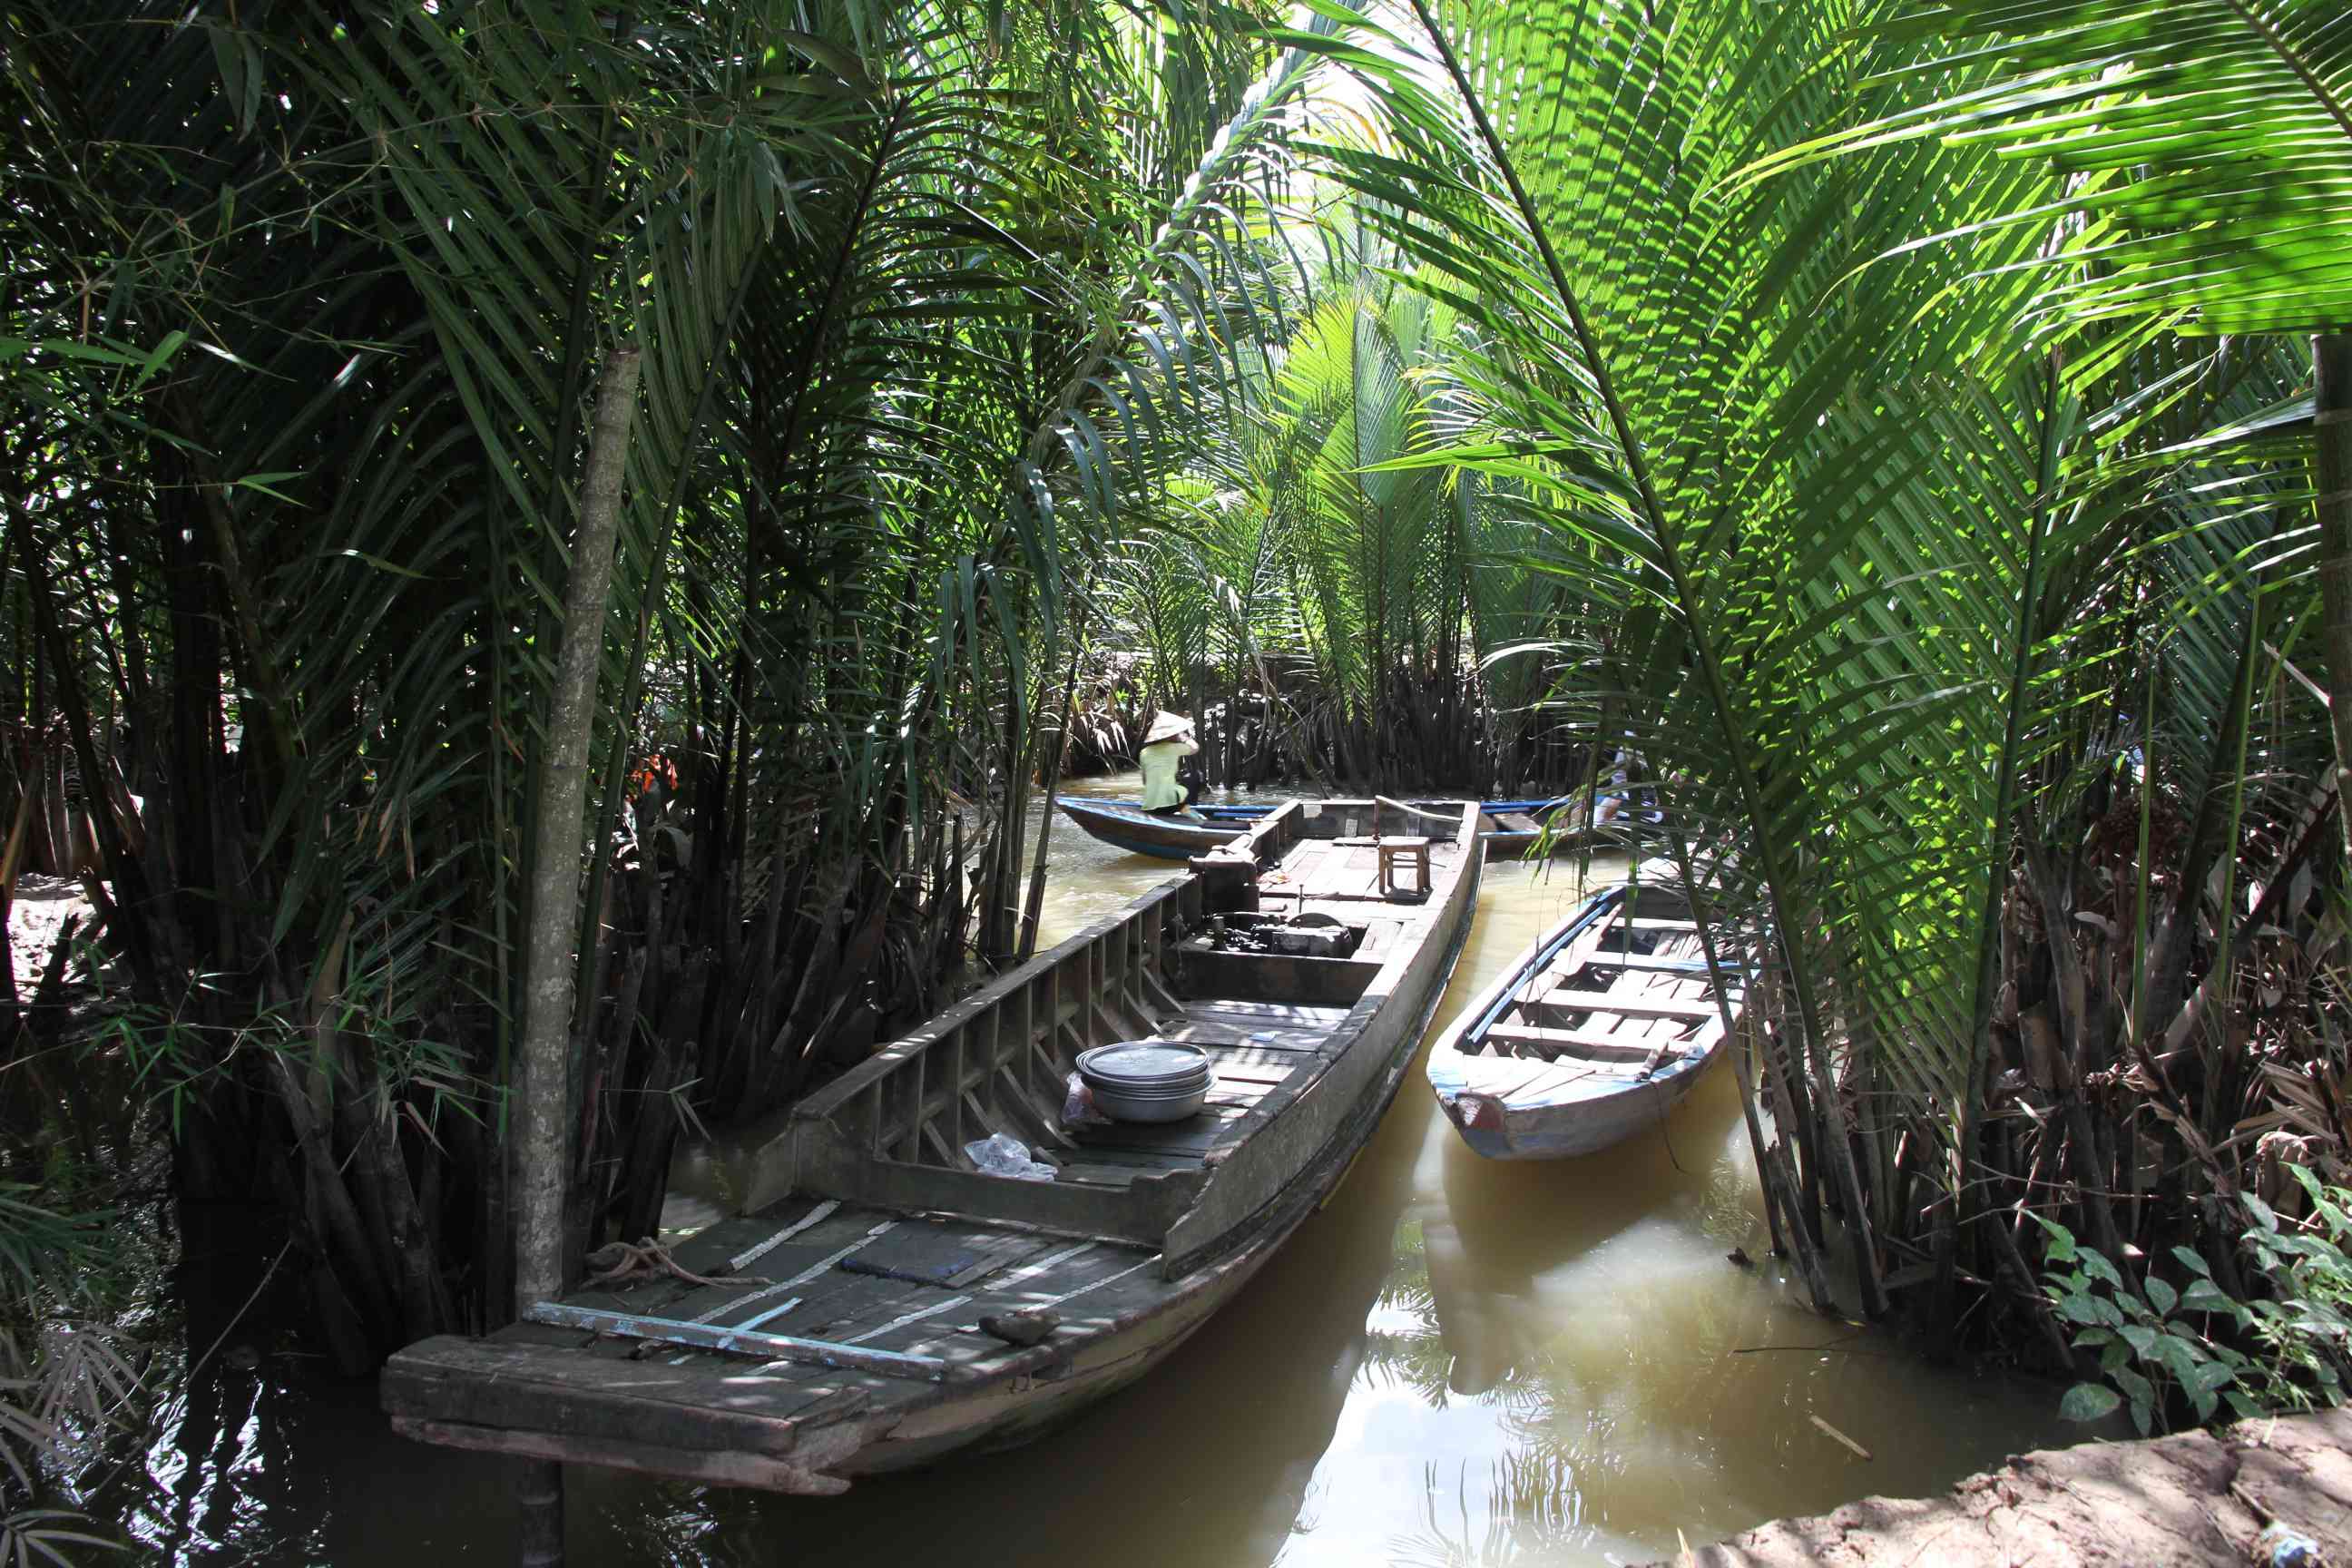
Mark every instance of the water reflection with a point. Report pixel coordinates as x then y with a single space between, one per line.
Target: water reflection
1455 1362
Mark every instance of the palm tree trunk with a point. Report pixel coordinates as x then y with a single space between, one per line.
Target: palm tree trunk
543 1114
2331 355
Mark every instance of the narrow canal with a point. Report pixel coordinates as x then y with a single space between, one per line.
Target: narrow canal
1455 1363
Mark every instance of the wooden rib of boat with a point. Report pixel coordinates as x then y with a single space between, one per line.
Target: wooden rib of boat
1594 1033
1506 827
843 1334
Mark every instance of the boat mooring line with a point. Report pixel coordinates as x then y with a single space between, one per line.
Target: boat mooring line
743 1260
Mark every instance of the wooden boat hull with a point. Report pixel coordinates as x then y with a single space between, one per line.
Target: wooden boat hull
1138 832
1125 825
1558 1132
1575 1093
1143 1234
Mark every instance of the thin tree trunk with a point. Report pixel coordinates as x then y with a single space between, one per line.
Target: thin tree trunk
543 1120
2331 355
1032 908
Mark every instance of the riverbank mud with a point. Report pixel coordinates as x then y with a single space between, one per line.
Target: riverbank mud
2198 1498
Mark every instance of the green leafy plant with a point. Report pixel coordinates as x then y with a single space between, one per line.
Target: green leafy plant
2305 1331
2150 1344
2162 1345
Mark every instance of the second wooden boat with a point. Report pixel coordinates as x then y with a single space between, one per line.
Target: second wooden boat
1506 827
1592 1034
897 1289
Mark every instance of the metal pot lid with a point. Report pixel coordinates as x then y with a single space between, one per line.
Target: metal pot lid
1144 1063
1186 1091
1145 1085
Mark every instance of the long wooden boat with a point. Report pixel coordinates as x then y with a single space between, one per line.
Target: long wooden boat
843 1332
1594 1032
1506 827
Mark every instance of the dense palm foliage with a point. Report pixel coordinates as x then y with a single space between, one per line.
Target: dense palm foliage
1358 607
306 307
1922 617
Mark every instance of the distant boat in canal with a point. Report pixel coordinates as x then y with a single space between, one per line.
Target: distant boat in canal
1506 827
1592 1034
936 1254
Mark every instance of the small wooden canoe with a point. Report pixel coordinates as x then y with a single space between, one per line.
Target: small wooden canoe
843 1325
1506 827
1127 826
1595 1033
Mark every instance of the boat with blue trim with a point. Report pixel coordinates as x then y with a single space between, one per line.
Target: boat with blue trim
1592 1034
1506 827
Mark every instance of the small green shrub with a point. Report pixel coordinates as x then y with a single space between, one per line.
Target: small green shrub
2164 1346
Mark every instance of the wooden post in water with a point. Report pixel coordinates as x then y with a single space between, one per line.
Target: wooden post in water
542 1112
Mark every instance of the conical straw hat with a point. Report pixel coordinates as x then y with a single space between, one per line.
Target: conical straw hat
1167 726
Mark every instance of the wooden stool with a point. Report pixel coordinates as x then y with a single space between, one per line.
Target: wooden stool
1399 851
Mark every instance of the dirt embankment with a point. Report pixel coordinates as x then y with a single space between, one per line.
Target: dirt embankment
2201 1497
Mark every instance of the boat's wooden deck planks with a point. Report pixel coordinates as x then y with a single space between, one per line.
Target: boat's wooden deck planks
1194 1132
1235 1034
828 1301
509 1379
1068 1282
1618 995
1118 1168
616 1389
1263 1014
1238 1065
809 1245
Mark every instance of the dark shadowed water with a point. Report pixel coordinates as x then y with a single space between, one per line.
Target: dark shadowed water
1453 1362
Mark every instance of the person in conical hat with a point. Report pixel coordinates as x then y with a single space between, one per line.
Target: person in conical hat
1165 746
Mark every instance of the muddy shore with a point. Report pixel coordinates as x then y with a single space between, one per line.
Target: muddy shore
2198 1498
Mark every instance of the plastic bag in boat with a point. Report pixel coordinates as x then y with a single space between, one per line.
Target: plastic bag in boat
1079 1108
1001 1155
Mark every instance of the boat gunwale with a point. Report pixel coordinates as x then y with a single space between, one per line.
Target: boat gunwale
822 1102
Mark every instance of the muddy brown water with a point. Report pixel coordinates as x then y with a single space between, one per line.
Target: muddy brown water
1453 1362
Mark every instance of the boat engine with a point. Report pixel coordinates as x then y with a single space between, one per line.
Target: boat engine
1309 935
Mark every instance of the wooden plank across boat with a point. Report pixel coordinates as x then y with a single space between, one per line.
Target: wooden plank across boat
1594 1033
843 1333
1506 827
